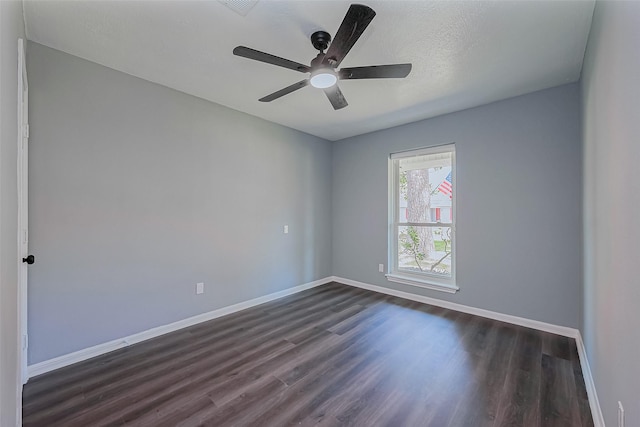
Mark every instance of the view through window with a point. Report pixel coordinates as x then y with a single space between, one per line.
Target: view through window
422 211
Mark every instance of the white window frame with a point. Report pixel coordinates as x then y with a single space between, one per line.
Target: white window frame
422 279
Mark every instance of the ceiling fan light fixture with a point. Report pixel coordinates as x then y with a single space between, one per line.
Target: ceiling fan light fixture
323 78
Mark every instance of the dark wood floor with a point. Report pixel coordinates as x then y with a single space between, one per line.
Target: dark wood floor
333 355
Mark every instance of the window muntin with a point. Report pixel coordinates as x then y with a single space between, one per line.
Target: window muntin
422 208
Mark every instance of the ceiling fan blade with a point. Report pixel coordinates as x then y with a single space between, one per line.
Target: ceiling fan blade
375 72
355 22
256 55
336 97
285 91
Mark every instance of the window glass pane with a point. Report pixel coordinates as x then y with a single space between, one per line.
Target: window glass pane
425 250
425 189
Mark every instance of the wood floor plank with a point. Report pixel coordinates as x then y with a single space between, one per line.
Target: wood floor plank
449 379
470 408
521 394
195 410
307 395
333 355
249 405
492 375
369 390
559 403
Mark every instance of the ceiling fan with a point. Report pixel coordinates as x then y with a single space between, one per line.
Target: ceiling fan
323 68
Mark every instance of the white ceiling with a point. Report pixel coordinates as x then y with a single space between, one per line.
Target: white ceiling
464 54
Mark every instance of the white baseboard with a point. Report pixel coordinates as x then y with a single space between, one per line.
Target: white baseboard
97 350
594 404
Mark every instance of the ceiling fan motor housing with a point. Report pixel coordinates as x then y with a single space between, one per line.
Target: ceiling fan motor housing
320 40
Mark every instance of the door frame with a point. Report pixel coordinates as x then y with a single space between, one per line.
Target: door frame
23 213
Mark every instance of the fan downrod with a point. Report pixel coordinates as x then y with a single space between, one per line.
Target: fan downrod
320 40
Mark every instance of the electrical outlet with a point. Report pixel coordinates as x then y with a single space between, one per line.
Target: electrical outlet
286 229
620 414
199 288
381 268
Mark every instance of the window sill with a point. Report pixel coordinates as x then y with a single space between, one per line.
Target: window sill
423 283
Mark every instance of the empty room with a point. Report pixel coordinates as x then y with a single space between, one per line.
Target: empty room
275 213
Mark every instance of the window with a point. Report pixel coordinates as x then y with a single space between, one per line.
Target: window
422 218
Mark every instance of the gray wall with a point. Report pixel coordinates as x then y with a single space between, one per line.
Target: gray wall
611 129
11 28
138 192
519 218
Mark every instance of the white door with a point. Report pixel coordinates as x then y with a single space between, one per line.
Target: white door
24 259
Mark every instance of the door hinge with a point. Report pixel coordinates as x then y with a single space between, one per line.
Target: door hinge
25 342
25 131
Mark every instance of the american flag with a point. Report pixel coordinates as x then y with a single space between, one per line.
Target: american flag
445 187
